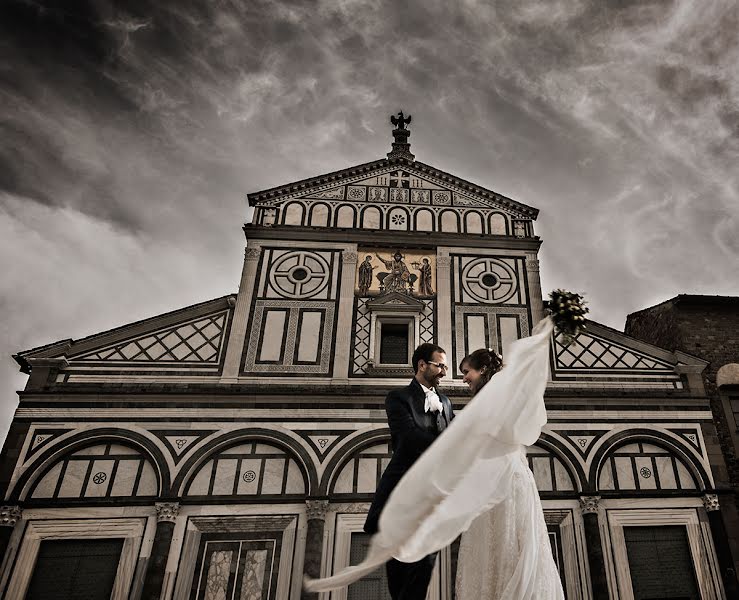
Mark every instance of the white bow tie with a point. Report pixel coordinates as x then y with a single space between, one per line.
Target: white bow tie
432 403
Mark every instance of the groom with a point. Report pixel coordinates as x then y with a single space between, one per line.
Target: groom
416 414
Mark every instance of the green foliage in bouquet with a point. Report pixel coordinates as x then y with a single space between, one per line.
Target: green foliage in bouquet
568 311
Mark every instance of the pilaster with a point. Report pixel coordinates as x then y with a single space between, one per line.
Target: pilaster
316 513
237 337
344 330
167 513
589 507
444 305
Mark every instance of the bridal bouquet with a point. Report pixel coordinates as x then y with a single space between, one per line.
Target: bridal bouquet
568 311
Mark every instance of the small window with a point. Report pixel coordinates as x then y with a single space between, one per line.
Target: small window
394 343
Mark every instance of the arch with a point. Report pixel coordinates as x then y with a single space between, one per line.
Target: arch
293 213
398 219
348 450
473 222
449 221
292 447
47 459
319 215
345 216
498 224
728 375
651 437
567 476
370 218
423 220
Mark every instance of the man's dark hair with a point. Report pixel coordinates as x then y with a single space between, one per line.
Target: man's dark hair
425 352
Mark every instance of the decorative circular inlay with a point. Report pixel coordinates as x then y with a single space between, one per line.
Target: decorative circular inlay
249 476
356 193
300 274
645 472
489 280
99 477
398 219
180 442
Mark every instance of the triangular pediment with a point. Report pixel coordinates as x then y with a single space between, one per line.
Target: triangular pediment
603 356
395 301
394 181
192 337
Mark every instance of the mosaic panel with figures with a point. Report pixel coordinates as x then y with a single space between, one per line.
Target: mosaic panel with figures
363 321
380 271
237 566
298 274
489 280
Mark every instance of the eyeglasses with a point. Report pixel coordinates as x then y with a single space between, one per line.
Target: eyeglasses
441 366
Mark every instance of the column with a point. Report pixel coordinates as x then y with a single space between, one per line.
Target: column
154 579
721 544
594 547
344 330
9 516
236 340
316 513
443 325
535 295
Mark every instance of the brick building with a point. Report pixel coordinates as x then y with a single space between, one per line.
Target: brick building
707 327
225 449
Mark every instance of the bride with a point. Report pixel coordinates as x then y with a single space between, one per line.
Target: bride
505 553
475 479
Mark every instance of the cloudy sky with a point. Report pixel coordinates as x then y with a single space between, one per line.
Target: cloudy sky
130 134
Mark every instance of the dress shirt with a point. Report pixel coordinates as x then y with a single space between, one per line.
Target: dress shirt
432 403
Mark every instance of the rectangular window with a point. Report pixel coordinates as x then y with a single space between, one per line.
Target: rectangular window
372 586
394 343
660 563
75 569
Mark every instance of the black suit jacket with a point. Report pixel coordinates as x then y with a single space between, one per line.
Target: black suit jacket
412 431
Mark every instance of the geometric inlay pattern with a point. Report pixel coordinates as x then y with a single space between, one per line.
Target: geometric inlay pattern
489 280
644 466
323 440
98 472
300 274
362 471
180 441
591 352
197 341
249 469
582 440
549 471
362 334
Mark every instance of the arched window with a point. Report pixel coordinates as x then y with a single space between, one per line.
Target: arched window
294 213
101 471
550 472
424 220
319 215
248 469
644 466
361 473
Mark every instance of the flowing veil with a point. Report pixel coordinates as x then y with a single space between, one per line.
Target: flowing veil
467 470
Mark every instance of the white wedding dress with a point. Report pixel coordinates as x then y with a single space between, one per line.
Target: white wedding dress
506 553
474 479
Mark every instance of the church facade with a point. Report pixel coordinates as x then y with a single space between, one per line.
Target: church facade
226 449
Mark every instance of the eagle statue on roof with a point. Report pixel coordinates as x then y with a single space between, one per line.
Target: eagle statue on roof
400 121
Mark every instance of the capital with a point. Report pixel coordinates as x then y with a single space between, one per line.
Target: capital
443 261
349 257
532 264
10 515
252 253
589 505
710 502
316 509
167 511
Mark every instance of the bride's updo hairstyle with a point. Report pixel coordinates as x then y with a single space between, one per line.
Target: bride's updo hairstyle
485 360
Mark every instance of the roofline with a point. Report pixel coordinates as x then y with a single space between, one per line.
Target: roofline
275 192
690 299
67 344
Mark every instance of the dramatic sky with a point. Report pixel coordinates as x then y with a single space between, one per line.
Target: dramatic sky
130 134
